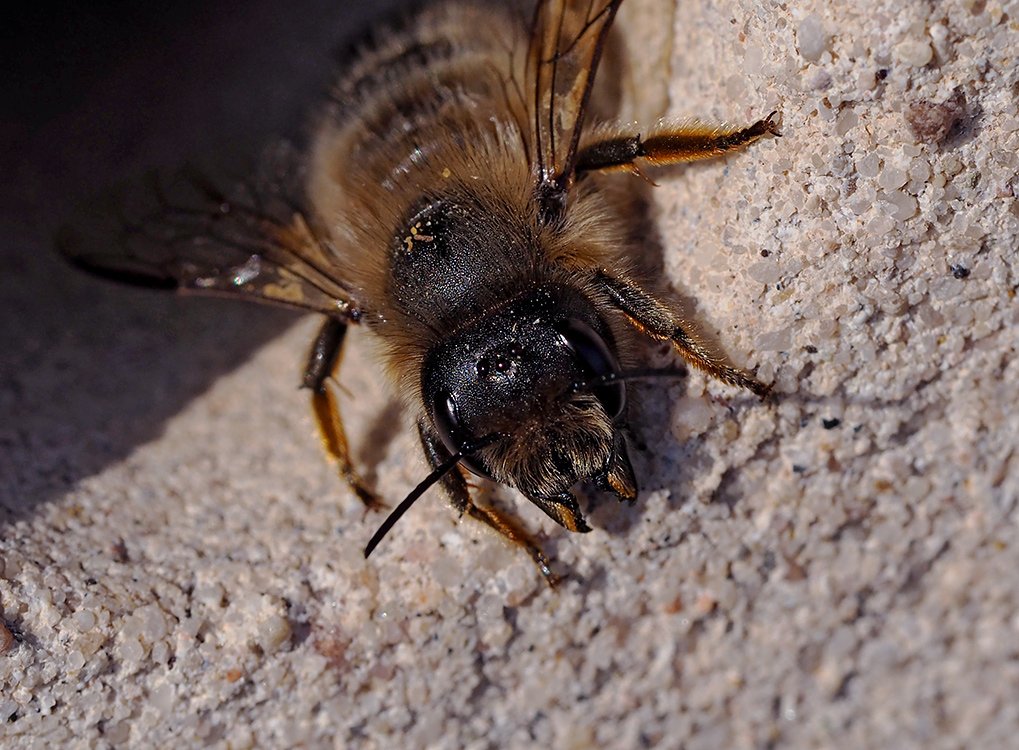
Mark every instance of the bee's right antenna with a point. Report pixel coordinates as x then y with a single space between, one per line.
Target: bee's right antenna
444 468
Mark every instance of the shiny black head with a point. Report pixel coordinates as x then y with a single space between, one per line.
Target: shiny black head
525 371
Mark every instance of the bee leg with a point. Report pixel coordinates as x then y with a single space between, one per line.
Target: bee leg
455 485
665 146
323 362
653 318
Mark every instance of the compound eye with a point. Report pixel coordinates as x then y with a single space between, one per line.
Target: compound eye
452 432
596 360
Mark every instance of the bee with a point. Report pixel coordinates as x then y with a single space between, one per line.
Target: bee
445 203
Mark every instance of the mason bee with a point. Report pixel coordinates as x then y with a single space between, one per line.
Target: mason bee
445 204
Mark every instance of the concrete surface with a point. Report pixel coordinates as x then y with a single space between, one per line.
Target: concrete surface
179 564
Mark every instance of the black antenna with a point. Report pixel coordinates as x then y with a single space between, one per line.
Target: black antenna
440 471
619 377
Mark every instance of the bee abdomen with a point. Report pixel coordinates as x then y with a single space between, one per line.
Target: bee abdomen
432 83
402 61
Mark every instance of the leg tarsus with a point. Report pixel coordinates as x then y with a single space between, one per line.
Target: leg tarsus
334 441
493 519
769 125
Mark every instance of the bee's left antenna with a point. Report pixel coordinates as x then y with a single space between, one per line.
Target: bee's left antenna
444 468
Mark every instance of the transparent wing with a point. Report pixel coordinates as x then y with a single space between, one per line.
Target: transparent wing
182 232
567 37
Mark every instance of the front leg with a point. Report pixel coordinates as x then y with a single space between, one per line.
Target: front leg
665 146
323 363
652 317
455 485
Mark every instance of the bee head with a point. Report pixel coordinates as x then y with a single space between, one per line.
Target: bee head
523 372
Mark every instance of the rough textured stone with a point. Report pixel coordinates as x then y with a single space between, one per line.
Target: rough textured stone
834 568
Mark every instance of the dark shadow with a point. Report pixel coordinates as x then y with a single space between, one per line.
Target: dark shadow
99 94
381 431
